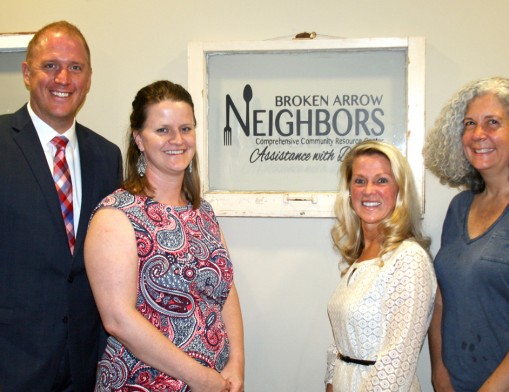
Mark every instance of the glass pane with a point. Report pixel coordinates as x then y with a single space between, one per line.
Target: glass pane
13 93
283 121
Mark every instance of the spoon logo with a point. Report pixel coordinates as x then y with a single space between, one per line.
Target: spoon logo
304 119
244 124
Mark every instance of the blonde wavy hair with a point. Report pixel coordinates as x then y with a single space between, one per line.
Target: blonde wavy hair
443 148
404 222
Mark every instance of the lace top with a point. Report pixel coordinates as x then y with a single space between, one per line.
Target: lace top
381 311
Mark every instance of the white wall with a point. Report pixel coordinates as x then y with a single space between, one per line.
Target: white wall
285 268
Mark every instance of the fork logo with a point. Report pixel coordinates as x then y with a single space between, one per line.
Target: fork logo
227 133
302 117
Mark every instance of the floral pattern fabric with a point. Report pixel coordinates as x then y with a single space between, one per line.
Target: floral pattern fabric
184 277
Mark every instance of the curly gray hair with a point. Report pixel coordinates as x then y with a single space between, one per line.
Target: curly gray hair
443 149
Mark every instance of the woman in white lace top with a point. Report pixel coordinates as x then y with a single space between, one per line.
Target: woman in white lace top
381 309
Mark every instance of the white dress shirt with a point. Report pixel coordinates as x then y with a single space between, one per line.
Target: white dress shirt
72 155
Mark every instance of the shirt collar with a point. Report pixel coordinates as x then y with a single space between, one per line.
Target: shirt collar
47 133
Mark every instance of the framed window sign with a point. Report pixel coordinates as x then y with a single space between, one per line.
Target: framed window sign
276 118
14 42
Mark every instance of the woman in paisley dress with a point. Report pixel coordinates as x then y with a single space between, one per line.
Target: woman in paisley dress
381 309
158 264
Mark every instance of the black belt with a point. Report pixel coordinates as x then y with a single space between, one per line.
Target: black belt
363 362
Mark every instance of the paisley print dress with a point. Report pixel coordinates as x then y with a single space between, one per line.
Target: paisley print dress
184 277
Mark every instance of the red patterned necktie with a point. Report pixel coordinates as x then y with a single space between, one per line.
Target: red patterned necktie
63 183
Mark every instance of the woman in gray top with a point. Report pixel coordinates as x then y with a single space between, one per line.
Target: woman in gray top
468 148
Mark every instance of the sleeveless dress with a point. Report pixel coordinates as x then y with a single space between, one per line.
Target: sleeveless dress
380 312
184 277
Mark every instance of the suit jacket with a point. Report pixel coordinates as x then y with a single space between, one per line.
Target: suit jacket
45 297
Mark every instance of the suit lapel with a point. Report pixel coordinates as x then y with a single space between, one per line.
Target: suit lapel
87 162
25 136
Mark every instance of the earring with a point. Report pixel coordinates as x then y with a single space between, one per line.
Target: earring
141 165
190 167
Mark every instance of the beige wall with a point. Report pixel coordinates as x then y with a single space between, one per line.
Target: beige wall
285 268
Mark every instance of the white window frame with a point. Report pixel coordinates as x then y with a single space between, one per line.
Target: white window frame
302 204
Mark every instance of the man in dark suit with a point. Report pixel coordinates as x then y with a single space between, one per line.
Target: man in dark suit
49 325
